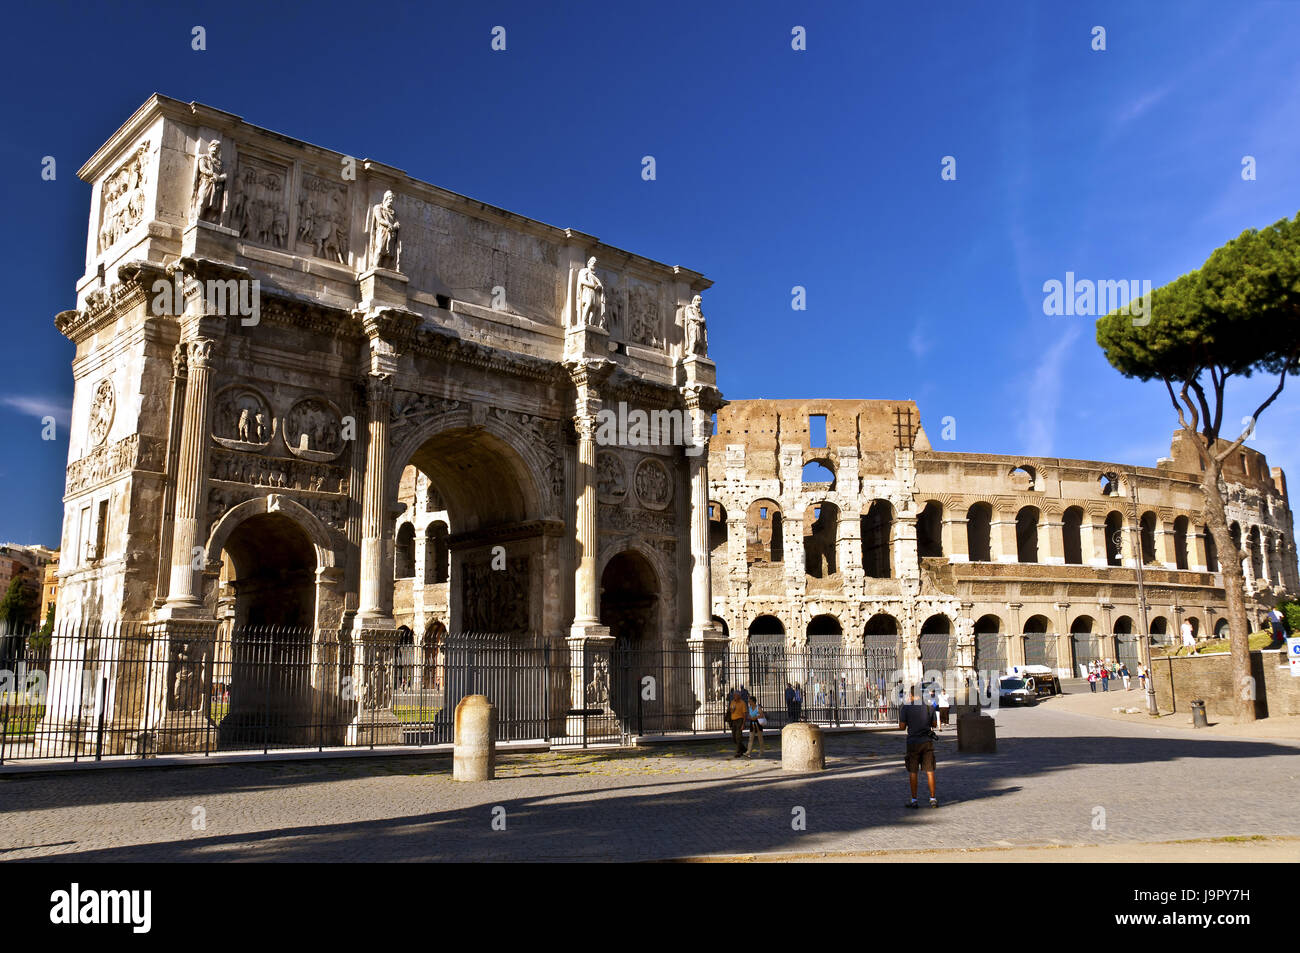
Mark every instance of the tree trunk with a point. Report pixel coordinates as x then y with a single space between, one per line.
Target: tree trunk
1216 520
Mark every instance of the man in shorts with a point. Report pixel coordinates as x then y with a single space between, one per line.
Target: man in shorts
918 719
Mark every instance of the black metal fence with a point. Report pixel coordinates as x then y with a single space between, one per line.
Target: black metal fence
120 690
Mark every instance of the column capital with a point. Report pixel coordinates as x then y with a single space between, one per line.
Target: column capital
200 352
379 388
588 376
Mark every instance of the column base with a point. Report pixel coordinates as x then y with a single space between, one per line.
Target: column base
377 621
186 611
377 726
382 287
709 676
182 731
589 675
209 240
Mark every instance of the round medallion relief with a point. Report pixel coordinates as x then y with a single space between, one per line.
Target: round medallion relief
654 488
242 420
101 412
611 478
313 429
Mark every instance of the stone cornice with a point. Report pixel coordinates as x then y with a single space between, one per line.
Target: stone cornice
103 305
441 344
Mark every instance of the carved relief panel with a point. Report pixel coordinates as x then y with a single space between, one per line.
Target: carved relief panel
242 419
644 315
102 409
323 218
313 429
495 600
121 199
261 208
654 487
611 477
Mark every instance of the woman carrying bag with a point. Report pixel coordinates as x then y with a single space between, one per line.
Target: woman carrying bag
757 719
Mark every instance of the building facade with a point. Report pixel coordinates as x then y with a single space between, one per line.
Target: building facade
837 521
270 334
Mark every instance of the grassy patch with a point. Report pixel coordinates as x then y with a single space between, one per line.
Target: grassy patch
1257 641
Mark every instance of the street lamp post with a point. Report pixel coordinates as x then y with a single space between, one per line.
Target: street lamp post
1142 600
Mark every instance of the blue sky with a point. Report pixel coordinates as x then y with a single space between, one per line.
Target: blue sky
775 168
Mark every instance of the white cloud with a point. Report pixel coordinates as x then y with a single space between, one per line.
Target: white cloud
918 343
1042 397
34 406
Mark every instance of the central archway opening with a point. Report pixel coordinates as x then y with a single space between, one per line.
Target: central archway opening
469 545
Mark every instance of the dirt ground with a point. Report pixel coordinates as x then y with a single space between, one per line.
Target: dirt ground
1083 702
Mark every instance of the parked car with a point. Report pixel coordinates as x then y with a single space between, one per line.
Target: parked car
1014 690
1040 679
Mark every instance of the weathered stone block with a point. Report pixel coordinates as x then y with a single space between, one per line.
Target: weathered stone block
474 757
802 748
977 734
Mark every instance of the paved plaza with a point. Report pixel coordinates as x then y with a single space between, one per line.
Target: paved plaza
1059 778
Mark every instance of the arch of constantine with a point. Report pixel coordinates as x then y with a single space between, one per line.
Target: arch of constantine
837 521
270 334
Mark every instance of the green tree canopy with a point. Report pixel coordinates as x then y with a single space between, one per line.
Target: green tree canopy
1237 315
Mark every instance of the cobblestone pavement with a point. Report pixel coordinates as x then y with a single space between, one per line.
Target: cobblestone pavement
1058 778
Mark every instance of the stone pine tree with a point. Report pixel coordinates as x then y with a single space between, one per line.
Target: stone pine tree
1237 315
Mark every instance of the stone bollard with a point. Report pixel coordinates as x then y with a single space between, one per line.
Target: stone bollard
802 748
977 734
475 752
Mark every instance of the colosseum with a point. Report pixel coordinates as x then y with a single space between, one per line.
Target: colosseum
836 521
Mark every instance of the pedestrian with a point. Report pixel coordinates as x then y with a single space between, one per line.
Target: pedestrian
1277 626
1105 679
1092 680
789 704
737 713
1124 674
1142 677
1189 639
944 704
918 719
757 719
798 701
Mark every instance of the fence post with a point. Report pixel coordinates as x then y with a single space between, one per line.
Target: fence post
103 709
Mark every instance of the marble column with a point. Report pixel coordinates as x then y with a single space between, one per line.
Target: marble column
375 582
586 608
701 581
183 597
589 642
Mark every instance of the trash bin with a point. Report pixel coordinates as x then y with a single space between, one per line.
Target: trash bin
1198 714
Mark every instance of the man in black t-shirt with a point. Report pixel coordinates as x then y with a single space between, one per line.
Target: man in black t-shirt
919 720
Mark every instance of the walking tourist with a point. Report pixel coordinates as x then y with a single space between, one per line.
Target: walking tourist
1124 674
918 719
789 703
757 719
1189 640
737 713
1105 678
798 701
1277 626
1092 680
944 704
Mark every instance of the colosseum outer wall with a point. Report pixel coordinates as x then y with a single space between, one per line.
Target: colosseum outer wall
837 521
